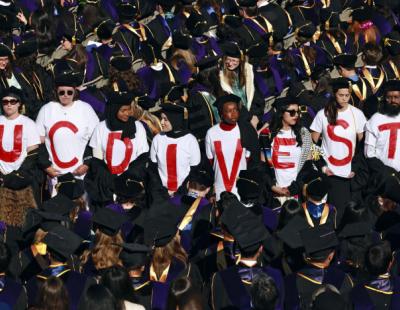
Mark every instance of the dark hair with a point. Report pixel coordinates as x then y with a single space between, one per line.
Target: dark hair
378 258
53 295
210 79
323 83
289 210
43 23
331 109
4 257
183 296
98 297
116 279
263 291
372 54
354 212
55 256
276 124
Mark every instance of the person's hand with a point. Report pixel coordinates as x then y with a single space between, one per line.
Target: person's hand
52 172
21 17
81 170
254 121
351 175
281 191
327 171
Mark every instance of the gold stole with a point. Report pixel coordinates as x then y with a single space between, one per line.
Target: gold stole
163 277
335 43
305 62
371 81
362 96
395 69
141 34
324 216
189 214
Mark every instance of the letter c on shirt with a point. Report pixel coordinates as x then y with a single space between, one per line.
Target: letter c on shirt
349 145
53 129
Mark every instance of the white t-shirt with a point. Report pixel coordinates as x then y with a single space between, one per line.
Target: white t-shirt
225 149
339 141
382 140
16 136
285 157
67 130
174 156
117 153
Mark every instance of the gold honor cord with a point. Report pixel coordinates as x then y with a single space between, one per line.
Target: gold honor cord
189 214
368 76
395 69
362 96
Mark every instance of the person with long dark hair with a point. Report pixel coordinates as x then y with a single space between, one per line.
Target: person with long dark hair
53 295
341 126
287 146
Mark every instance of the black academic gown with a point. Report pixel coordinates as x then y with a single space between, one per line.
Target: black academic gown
230 288
75 282
300 286
12 294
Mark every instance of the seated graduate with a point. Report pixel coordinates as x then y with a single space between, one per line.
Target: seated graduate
61 244
319 250
381 291
230 288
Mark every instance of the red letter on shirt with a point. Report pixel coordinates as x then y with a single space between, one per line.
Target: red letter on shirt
172 174
54 128
276 152
112 136
331 134
15 153
229 180
393 127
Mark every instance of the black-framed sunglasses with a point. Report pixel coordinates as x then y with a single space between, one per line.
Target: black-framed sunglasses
293 112
63 92
10 101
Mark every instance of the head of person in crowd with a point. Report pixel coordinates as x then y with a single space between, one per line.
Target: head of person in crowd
135 257
390 104
379 259
319 245
305 32
66 87
346 64
362 26
341 89
208 74
327 297
181 53
233 64
73 190
228 108
174 116
183 296
316 187
141 111
250 185
130 192
263 291
199 182
372 54
98 297
248 8
104 31
391 43
120 69
107 225
26 56
53 295
42 22
5 59
11 102
162 234
289 210
321 80
286 117
116 280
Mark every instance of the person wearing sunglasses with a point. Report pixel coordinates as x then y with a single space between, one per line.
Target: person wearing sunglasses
65 127
19 141
286 147
341 126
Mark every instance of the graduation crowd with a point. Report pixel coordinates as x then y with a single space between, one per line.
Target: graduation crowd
209 154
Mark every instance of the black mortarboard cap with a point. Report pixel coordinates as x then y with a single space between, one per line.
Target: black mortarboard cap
392 42
249 184
306 30
59 204
247 3
233 21
389 184
120 96
26 48
71 79
127 10
134 255
145 102
150 53
319 238
329 19
5 50
176 114
181 41
355 230
173 92
345 60
361 14
318 72
219 103
104 30
108 221
127 187
316 184
12 92
329 300
62 241
243 225
121 62
258 50
392 85
282 102
51 219
232 49
196 24
340 82
207 62
161 223
70 186
290 233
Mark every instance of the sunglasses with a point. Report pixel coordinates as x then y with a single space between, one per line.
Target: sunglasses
11 101
68 92
292 112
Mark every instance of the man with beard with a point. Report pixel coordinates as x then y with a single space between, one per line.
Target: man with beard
381 142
